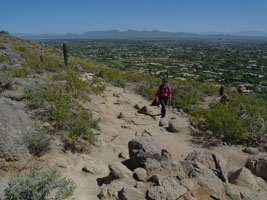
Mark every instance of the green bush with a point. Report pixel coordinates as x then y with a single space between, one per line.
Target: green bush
223 122
20 72
241 121
35 95
38 142
4 58
58 105
39 184
5 81
4 32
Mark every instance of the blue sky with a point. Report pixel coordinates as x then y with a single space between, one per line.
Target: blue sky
78 16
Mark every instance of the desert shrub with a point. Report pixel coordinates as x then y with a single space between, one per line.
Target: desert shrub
24 52
58 106
4 58
5 81
146 91
39 184
4 32
242 121
51 63
35 95
223 122
38 141
20 72
77 87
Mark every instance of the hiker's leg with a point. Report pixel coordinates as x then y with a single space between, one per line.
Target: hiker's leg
163 109
165 104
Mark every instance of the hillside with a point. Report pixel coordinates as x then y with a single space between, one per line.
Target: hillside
108 140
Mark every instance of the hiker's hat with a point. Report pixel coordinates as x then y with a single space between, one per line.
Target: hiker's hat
165 79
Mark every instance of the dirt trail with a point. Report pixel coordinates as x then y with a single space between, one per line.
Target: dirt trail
114 137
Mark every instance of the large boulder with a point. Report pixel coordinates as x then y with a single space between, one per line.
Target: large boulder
118 170
211 160
243 177
14 127
141 149
204 177
258 164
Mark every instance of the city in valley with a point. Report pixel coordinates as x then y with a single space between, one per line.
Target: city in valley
240 63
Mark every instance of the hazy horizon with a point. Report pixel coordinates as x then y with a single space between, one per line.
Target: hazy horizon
190 16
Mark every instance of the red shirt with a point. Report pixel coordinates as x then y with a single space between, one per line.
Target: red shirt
164 91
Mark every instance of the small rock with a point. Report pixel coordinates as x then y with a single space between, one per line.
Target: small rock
137 106
145 110
47 125
123 155
175 126
130 193
91 168
165 155
140 174
14 95
215 197
250 150
146 133
117 94
163 122
152 164
121 116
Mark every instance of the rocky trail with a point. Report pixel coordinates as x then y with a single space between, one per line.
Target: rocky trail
120 123
138 155
125 116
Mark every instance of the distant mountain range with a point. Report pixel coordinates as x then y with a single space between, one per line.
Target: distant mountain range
132 34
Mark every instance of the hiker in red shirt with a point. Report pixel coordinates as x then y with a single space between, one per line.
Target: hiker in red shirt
163 95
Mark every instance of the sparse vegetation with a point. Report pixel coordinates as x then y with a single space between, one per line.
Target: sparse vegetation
5 81
39 184
242 121
4 32
38 141
4 58
20 72
59 104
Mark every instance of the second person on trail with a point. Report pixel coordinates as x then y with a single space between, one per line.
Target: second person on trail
163 95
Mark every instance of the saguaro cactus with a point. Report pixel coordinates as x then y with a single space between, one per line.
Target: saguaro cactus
221 90
65 53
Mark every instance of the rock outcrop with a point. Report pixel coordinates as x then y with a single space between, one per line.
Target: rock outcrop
258 164
212 161
142 149
202 175
14 127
